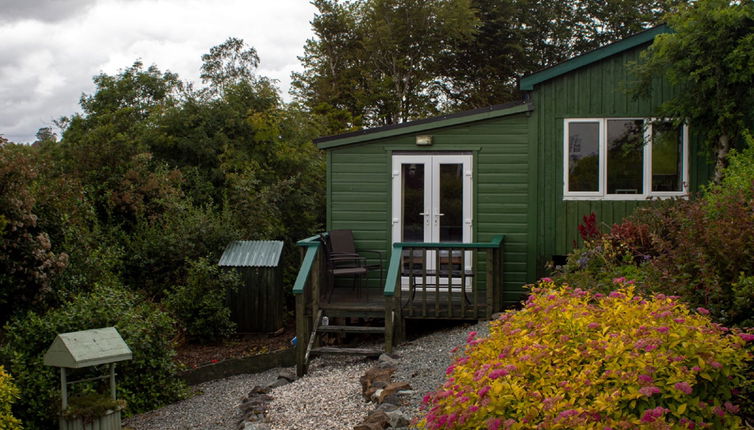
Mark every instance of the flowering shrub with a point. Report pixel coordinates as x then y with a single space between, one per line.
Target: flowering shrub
8 395
570 359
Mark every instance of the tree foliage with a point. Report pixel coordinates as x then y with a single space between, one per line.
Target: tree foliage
373 62
710 58
377 62
28 263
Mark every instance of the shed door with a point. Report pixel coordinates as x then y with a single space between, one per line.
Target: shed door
432 199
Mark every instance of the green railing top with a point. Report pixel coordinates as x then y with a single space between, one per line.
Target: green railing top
395 256
312 245
495 242
310 241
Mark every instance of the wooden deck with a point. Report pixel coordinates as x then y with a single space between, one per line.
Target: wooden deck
432 303
416 287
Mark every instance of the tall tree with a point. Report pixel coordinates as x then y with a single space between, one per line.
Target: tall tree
710 59
376 62
518 37
373 61
229 63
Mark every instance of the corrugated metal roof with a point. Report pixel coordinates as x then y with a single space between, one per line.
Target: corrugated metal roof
252 253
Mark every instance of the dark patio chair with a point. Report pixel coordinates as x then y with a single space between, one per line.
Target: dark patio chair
344 261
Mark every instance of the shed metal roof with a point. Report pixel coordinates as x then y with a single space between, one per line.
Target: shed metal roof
252 253
527 82
87 348
422 125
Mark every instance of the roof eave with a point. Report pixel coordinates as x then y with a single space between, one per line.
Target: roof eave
418 127
527 83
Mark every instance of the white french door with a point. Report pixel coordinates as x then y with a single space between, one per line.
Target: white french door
432 199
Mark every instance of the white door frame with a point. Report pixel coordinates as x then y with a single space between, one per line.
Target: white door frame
431 212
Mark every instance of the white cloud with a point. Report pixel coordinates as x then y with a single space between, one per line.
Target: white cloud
47 64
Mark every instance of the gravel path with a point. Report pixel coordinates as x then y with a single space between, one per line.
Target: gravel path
329 396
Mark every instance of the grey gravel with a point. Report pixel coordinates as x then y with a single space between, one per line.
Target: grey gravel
328 397
216 408
422 362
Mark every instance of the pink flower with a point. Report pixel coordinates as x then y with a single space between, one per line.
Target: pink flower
715 364
662 329
499 373
650 415
567 414
593 325
450 369
471 336
645 379
493 424
546 280
620 280
649 390
615 295
702 311
483 391
746 336
730 407
473 408
683 387
599 296
679 320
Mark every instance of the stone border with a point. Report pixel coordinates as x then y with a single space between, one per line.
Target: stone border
239 366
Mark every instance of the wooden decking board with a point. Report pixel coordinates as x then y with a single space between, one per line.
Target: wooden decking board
348 351
350 329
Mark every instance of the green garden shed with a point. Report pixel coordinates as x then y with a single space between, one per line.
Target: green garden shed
259 304
521 175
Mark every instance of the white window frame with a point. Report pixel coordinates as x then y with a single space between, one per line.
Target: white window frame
601 193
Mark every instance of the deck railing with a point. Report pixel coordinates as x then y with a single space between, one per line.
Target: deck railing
306 291
442 281
424 280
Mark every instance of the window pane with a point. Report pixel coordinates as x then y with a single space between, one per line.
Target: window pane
413 202
451 202
625 156
583 156
667 156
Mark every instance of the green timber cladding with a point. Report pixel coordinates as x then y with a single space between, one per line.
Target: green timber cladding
591 86
359 182
517 161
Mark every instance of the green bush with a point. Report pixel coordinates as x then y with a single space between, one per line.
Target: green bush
573 360
201 304
145 382
157 250
8 395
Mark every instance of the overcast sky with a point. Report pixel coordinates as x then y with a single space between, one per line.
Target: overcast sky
50 49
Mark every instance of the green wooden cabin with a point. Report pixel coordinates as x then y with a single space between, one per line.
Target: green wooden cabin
525 173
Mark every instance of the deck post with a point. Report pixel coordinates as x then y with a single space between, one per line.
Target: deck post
500 275
491 284
389 324
301 335
316 279
399 322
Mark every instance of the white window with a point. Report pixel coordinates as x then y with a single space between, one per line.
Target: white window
624 159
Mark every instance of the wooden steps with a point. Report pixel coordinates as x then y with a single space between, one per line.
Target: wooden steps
369 352
351 329
357 329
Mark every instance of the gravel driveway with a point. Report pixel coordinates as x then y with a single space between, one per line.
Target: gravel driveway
329 396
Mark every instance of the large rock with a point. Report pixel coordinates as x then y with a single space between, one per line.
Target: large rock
375 374
396 419
391 389
376 420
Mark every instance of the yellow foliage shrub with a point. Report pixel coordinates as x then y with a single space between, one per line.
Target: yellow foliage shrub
573 360
8 395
